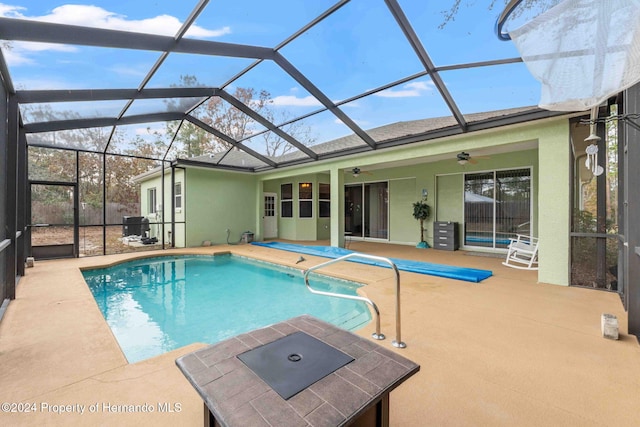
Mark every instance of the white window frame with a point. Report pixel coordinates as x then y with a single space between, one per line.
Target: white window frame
177 198
152 199
309 201
283 200
324 200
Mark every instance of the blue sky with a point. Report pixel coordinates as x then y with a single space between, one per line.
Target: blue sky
356 49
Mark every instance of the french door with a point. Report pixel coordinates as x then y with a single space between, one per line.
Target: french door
497 206
367 210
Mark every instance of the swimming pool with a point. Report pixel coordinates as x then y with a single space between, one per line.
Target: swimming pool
155 305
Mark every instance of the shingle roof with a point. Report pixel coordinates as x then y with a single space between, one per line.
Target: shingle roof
391 132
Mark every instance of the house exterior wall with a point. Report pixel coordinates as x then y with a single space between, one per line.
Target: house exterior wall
450 184
546 151
296 228
164 203
407 182
542 146
403 228
554 204
220 200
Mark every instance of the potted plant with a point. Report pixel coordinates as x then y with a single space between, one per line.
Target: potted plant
421 211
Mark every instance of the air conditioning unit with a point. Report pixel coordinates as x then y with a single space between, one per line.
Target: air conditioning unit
132 225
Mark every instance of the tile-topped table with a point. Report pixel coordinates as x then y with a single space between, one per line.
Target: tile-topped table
355 394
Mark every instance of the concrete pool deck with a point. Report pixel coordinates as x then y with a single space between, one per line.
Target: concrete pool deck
506 351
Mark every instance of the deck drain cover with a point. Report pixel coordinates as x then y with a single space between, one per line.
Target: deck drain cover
292 363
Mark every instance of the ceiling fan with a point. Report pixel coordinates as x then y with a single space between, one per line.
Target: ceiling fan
463 158
357 171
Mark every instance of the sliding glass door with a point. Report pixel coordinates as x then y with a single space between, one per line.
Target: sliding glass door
367 210
497 206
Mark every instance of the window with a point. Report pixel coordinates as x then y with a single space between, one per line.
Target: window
324 201
497 206
286 200
305 198
151 198
177 192
367 210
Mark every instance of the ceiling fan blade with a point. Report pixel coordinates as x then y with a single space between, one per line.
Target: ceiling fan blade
472 160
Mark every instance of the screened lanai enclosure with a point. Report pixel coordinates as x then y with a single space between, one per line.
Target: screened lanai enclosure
244 98
99 95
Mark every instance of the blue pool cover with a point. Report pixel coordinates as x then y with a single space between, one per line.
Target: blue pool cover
440 270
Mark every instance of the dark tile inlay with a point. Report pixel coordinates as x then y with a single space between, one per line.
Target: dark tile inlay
354 351
340 394
395 356
276 411
367 363
285 328
231 384
361 382
305 402
192 363
250 393
266 335
385 372
205 377
325 415
228 365
247 415
229 348
249 341
340 339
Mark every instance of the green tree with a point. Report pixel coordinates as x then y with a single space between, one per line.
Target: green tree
449 15
194 141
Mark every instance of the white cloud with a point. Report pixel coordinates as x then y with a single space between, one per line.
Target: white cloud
16 58
44 84
130 70
294 101
19 53
412 89
94 16
9 11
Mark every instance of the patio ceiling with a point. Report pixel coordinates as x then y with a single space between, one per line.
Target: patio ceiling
259 85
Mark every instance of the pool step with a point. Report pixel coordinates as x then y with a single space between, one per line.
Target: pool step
352 320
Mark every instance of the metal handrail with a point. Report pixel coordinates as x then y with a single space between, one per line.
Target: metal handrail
376 335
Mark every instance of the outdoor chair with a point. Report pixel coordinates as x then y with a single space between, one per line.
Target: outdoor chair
522 253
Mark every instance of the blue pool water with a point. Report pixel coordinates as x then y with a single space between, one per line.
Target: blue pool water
155 305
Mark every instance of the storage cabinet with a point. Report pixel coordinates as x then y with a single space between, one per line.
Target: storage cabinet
445 235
